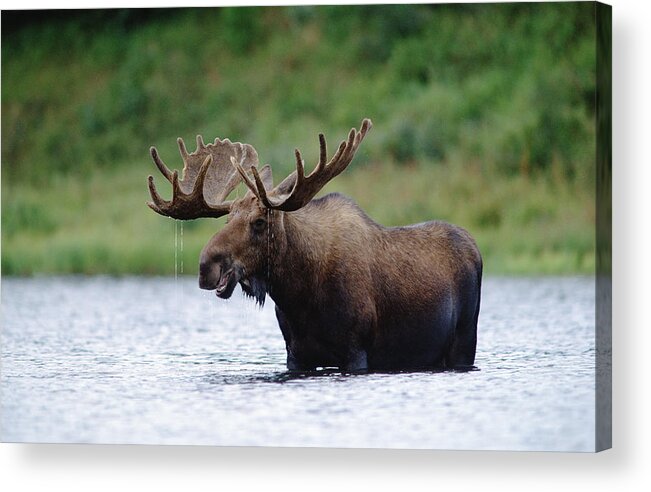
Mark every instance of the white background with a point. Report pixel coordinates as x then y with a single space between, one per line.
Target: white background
625 467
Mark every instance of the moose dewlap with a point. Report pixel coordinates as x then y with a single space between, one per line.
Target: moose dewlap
349 293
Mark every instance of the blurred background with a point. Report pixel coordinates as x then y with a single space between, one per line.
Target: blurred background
484 116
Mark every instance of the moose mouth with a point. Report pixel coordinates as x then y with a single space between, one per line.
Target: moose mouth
226 284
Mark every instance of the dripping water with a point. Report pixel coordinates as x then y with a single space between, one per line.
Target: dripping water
181 269
181 248
176 253
176 265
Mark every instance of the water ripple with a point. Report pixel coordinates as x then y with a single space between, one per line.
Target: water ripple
106 360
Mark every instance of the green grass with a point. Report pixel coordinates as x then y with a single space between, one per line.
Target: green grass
483 114
522 225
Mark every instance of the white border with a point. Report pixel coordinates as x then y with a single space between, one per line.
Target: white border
99 468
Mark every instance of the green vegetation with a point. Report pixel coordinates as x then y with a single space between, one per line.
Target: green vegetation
483 116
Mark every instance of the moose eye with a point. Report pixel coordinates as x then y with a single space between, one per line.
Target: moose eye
259 224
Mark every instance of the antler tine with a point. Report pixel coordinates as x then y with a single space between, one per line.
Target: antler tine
261 190
176 188
354 139
323 152
201 178
300 166
347 153
157 199
340 150
247 181
182 149
165 171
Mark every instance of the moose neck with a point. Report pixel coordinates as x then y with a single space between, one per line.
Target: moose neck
297 258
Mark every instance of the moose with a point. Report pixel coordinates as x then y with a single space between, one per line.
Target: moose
349 293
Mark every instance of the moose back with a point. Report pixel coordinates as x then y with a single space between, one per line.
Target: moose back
349 293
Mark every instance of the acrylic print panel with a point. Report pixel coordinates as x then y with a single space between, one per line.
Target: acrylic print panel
491 117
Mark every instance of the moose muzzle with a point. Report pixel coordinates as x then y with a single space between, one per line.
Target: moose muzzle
220 276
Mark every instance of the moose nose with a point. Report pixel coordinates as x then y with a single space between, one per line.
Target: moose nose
208 275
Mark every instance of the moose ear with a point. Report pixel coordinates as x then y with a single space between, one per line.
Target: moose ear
266 177
286 186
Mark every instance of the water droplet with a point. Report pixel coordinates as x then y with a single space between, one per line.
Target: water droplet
181 248
176 263
182 286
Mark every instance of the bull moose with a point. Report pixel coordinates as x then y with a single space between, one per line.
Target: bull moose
349 292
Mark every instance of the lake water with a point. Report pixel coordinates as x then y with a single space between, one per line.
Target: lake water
158 361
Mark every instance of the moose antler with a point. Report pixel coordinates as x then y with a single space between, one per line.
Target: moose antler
304 188
208 178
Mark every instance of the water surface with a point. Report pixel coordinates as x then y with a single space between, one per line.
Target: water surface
158 361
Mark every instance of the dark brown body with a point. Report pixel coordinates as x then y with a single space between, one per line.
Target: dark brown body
353 294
